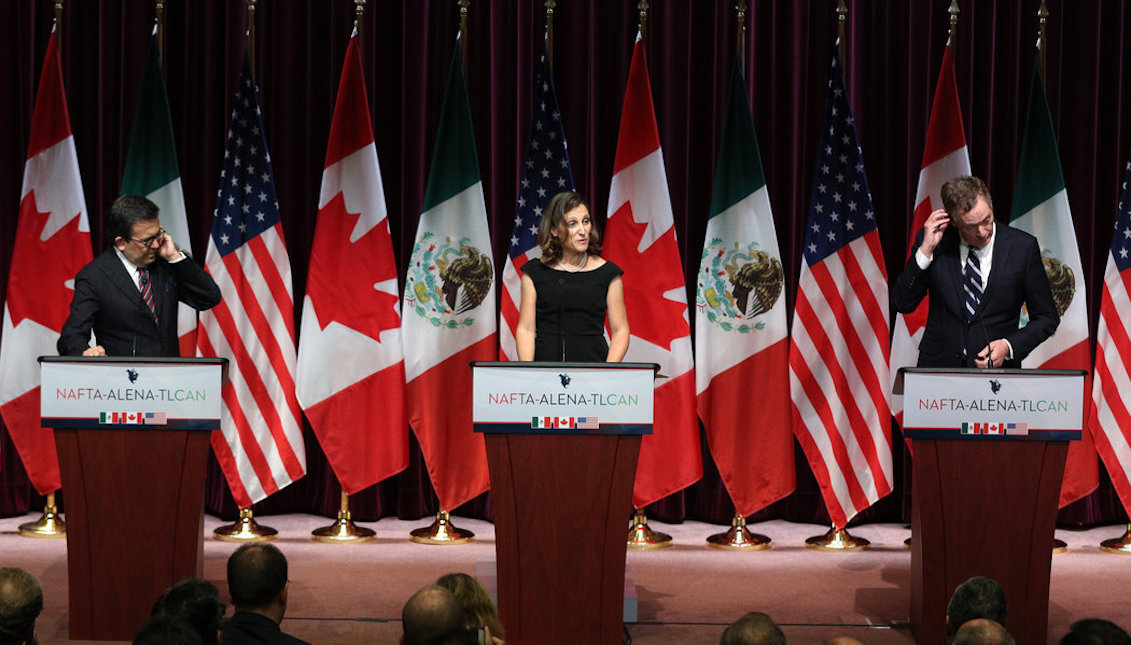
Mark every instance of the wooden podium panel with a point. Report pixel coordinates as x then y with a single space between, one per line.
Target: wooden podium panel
561 520
984 508
135 522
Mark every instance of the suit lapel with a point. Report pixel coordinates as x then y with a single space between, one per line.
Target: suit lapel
120 277
1001 259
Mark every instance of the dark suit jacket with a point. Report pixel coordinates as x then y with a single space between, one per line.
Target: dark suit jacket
247 628
107 301
1017 277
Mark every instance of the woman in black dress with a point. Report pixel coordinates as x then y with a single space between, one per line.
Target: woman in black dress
569 291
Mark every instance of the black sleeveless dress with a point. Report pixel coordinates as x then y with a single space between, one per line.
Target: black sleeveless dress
569 323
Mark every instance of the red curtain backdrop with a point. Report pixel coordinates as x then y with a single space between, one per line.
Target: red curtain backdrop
894 52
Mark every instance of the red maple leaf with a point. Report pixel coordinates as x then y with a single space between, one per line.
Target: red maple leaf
40 269
343 273
647 277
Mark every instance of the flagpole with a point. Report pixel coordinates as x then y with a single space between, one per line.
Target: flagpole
841 38
953 11
246 529
464 5
1043 18
442 531
642 7
359 10
738 537
159 18
740 10
550 5
251 35
49 525
838 539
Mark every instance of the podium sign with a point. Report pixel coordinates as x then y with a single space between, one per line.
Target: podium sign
128 393
1010 404
562 398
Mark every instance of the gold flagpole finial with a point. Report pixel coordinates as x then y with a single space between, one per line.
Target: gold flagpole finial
841 26
953 11
251 35
642 8
359 11
550 6
740 13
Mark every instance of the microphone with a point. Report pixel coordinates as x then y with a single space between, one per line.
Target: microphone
989 352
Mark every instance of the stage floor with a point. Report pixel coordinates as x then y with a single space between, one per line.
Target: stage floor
352 594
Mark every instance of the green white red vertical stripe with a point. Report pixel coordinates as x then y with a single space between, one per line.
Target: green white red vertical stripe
151 171
740 323
449 305
944 157
350 379
52 224
1040 206
640 239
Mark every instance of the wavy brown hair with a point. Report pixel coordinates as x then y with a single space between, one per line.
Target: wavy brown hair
554 217
478 608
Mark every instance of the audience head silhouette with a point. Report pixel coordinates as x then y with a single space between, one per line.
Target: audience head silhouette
479 609
1093 631
982 631
754 628
978 597
197 603
21 600
257 577
165 630
430 612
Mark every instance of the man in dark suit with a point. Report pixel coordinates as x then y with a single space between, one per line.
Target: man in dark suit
258 584
128 295
978 274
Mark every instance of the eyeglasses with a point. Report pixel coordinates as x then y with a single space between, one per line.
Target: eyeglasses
147 242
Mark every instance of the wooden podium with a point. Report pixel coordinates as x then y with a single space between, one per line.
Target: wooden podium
989 449
562 441
132 436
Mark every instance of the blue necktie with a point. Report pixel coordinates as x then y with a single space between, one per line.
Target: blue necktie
972 283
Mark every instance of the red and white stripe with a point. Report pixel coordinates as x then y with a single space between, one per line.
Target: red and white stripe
839 376
253 326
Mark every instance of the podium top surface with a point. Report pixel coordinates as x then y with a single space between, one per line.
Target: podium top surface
897 386
163 360
567 365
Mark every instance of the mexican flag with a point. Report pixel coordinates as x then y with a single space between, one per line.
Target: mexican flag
1040 206
151 171
740 323
449 305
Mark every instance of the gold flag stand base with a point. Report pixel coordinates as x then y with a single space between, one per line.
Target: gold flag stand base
442 531
642 537
738 538
244 529
343 531
49 525
1120 545
837 540
1059 546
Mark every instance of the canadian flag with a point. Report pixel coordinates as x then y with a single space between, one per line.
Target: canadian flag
350 369
640 239
53 224
944 158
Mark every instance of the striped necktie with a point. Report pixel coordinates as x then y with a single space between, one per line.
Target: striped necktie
972 283
146 291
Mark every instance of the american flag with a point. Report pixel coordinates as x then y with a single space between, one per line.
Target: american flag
259 445
1110 421
545 173
838 360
